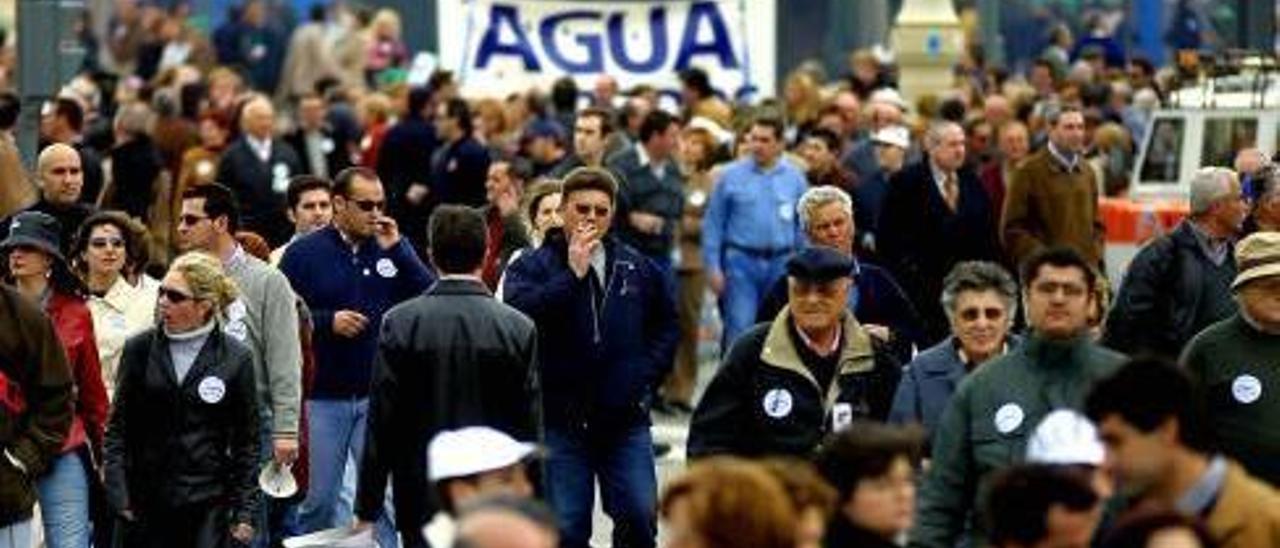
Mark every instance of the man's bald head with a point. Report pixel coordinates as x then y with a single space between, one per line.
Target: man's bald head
61 175
257 118
506 522
503 529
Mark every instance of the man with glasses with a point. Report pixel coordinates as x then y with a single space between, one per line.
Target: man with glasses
264 317
994 410
810 371
349 273
606 337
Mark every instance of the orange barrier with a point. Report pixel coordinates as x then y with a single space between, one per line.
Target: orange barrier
1132 222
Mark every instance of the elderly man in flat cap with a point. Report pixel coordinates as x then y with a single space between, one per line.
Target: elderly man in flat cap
1235 363
813 370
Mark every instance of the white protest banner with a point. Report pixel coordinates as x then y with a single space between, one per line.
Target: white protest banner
498 47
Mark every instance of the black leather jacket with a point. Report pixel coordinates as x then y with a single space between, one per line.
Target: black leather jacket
453 357
170 444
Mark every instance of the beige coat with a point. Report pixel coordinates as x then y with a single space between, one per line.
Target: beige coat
122 313
1247 514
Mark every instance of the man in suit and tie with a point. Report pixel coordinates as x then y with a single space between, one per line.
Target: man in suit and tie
319 150
935 215
257 167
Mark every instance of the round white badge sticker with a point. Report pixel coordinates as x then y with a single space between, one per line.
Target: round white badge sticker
697 198
786 212
1246 389
1008 418
204 168
211 389
326 146
386 268
777 403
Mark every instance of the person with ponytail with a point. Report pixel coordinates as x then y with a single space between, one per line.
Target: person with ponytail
183 441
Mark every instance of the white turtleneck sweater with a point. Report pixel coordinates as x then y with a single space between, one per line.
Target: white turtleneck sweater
185 347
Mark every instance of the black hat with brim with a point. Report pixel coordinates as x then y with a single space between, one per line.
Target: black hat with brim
819 264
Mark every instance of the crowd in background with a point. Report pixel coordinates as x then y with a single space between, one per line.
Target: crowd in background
248 244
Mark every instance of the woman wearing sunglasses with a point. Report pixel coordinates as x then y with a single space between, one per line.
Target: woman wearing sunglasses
35 266
107 256
980 299
183 441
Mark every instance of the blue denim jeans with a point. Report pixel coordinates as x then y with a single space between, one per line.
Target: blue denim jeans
337 434
623 463
747 279
64 503
17 535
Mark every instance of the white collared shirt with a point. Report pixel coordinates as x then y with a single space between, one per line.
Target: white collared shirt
659 170
1068 163
260 147
940 180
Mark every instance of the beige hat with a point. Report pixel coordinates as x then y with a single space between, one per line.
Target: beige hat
1257 256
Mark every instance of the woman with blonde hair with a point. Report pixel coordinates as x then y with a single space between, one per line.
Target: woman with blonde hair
386 49
183 442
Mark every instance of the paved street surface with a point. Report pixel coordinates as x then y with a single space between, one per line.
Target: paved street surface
671 429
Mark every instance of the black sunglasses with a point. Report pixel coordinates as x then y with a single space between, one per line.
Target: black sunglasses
173 295
370 205
99 243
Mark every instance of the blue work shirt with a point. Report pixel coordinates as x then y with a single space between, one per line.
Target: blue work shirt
754 209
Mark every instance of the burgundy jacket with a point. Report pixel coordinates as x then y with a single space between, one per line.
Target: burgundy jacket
74 325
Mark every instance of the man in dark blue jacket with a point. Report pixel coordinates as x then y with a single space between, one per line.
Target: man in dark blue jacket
606 336
876 300
349 274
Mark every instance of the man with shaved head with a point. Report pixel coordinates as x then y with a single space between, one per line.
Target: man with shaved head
61 180
257 167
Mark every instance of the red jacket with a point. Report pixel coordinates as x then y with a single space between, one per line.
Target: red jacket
74 325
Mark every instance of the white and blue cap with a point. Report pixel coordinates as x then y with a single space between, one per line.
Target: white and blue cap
1065 437
473 450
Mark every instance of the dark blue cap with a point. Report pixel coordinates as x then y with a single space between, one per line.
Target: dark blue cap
819 264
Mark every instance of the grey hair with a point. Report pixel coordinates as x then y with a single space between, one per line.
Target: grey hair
134 119
1054 112
979 276
819 196
1267 183
933 136
1209 185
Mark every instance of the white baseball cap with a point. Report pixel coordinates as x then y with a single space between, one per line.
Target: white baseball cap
889 96
897 136
1065 437
472 450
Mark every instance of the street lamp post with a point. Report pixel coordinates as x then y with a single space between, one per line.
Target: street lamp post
927 40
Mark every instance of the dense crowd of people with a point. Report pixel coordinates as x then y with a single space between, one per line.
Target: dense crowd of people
259 286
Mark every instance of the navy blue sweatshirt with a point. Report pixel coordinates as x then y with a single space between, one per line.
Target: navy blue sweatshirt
330 276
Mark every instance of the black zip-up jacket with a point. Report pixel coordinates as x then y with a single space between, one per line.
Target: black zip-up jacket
171 444
451 358
599 358
766 401
1158 308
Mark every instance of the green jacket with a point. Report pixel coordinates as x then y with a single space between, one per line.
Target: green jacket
1236 370
35 402
987 423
